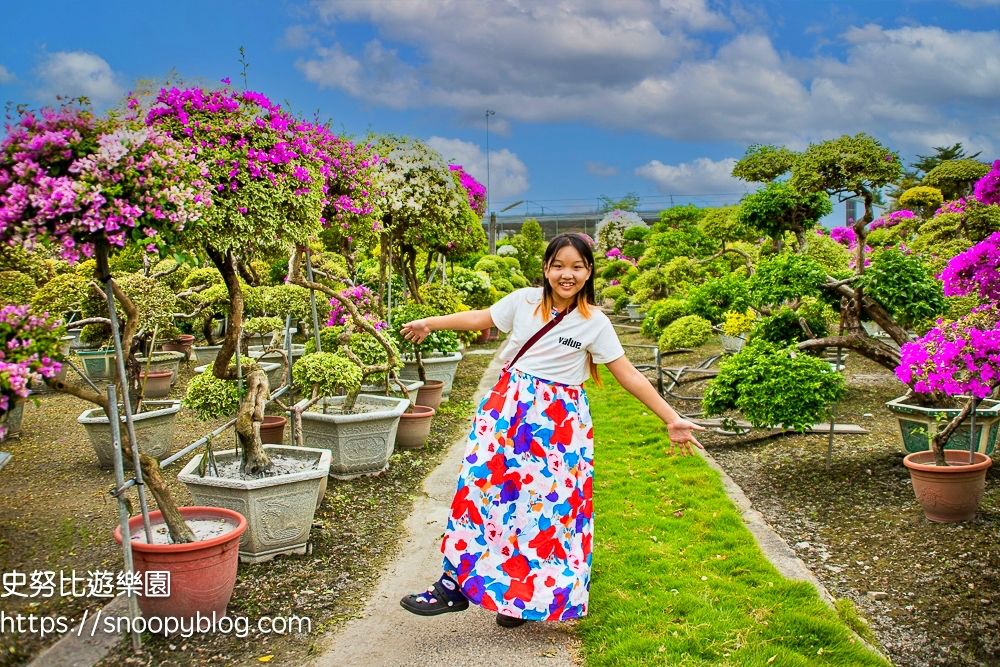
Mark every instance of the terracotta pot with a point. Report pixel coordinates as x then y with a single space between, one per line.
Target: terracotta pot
414 427
948 494
182 343
202 574
430 394
157 383
272 431
484 336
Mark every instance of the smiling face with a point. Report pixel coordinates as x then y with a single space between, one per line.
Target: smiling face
567 274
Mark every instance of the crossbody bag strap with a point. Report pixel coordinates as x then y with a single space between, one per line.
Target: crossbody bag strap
538 334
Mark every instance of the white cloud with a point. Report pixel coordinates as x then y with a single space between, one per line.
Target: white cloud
642 65
701 176
508 175
77 73
6 76
600 169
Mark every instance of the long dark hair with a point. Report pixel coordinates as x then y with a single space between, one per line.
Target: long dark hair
585 298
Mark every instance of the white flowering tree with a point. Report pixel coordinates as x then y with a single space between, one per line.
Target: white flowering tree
611 229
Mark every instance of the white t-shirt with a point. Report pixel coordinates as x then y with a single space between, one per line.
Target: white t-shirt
561 354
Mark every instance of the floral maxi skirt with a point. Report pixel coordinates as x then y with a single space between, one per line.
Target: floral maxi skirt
521 524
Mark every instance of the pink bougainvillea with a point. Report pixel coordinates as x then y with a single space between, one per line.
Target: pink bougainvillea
894 218
614 253
976 271
28 345
363 299
844 236
476 190
988 187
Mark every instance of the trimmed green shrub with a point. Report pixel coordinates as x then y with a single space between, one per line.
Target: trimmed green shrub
477 291
661 314
212 398
442 341
687 331
785 277
902 284
712 299
614 292
60 295
16 288
783 328
328 372
774 386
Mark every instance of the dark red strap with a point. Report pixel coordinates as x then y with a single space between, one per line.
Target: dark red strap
538 334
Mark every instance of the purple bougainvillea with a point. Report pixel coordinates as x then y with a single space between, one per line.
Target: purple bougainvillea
475 189
988 187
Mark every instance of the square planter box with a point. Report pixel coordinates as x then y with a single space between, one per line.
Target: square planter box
99 364
359 444
918 425
634 315
205 354
279 510
438 367
164 361
154 431
394 392
274 372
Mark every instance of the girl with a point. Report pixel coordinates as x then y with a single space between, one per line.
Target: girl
519 534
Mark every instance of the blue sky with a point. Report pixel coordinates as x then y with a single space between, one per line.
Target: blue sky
592 97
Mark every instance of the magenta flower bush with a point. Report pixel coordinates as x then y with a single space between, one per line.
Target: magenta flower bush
29 346
614 253
977 270
79 180
476 191
896 217
364 300
264 168
844 236
988 187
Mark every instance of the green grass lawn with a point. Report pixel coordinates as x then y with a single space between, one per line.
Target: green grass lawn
678 579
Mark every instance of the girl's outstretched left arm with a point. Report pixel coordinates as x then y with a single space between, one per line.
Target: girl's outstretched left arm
635 383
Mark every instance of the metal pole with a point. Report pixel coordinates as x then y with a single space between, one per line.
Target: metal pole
972 432
659 372
489 113
312 300
291 391
129 425
493 233
833 419
116 446
388 298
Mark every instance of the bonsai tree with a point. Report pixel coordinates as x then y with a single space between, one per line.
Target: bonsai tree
441 341
530 245
612 227
86 184
956 178
778 208
961 357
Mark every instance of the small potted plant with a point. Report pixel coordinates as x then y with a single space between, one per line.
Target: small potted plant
435 358
734 330
30 346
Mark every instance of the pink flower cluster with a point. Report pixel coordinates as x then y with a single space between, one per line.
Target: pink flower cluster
977 270
844 236
988 187
953 206
962 357
476 191
27 345
68 177
348 170
614 253
894 218
363 299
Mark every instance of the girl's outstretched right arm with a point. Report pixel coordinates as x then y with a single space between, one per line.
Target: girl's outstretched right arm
470 320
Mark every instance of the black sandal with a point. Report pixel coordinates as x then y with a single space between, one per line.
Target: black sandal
505 621
433 602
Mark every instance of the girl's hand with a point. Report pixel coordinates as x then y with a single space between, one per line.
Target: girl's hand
681 435
416 331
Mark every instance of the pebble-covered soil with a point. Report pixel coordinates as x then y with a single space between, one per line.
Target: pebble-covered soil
930 592
56 515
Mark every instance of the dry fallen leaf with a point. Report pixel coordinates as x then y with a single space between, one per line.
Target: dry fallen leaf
265 658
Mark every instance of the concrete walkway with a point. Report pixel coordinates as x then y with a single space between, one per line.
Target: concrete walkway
388 636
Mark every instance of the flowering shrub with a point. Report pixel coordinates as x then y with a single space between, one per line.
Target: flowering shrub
611 228
266 173
737 323
614 253
29 347
988 187
363 299
977 270
477 291
844 236
894 218
475 190
68 176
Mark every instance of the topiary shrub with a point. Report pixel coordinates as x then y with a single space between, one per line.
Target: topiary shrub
718 295
785 277
441 341
212 398
477 291
783 327
60 295
922 198
902 283
325 373
16 288
774 386
661 314
687 331
613 292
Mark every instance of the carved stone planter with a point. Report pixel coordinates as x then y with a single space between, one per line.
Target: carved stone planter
205 354
164 361
274 373
279 510
918 425
154 431
437 366
359 444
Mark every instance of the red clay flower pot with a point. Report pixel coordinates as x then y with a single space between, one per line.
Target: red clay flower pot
202 574
430 394
484 336
182 343
157 383
272 431
948 494
414 428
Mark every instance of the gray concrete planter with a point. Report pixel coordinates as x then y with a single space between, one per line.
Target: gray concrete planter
274 373
634 315
154 430
12 419
273 357
359 444
164 361
379 389
438 367
205 354
732 344
918 426
99 364
279 510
